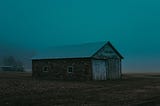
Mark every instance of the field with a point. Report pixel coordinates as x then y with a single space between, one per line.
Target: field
19 89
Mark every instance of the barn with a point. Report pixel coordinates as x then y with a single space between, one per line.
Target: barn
89 61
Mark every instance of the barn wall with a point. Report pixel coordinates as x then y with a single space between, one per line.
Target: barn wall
114 69
105 53
106 69
99 68
108 56
57 69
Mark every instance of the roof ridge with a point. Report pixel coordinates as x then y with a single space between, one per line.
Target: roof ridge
71 51
79 44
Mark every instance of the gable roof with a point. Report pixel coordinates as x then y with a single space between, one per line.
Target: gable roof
73 51
115 50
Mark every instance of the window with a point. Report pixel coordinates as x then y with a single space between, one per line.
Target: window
70 69
45 69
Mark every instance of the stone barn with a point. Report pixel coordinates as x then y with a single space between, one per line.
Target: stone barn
89 61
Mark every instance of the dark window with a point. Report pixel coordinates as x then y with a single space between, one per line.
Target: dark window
45 69
70 69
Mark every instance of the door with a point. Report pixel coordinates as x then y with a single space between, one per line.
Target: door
113 69
99 69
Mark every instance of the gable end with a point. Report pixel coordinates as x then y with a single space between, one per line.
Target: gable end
115 50
107 51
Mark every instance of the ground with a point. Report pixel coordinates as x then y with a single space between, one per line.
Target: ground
19 89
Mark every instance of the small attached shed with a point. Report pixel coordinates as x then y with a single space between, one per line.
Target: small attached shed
90 61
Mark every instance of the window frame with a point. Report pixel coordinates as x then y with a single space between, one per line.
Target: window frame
68 69
45 69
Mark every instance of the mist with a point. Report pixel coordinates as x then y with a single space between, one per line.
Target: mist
29 26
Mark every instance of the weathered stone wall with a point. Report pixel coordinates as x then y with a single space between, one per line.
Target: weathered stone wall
57 69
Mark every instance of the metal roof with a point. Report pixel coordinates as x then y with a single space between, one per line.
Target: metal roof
71 51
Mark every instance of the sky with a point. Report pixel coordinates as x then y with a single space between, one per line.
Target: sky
132 26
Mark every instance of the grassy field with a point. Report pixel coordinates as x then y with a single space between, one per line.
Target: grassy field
19 89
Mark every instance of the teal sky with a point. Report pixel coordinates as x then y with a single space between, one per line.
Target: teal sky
132 26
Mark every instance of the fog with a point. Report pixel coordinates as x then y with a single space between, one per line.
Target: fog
29 26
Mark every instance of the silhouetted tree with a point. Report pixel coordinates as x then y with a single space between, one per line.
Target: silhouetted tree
9 61
16 65
19 66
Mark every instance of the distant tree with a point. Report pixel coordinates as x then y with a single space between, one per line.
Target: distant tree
9 61
16 65
19 66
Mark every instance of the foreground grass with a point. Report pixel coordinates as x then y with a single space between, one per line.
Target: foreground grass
19 89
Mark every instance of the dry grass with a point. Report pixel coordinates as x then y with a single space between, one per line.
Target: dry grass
19 89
